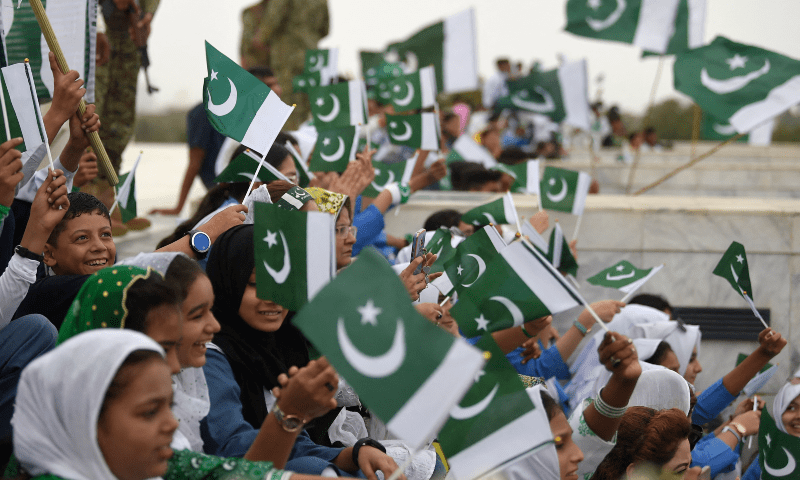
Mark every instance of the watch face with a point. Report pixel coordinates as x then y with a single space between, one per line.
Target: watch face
201 242
292 423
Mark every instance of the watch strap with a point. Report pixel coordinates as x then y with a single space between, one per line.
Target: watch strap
283 419
25 253
734 432
368 442
200 254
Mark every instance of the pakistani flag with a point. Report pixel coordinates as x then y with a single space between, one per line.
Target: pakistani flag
307 81
441 245
468 261
623 276
717 129
745 84
414 91
334 150
126 193
339 105
535 238
414 131
777 451
323 61
525 174
518 285
74 23
22 106
243 168
560 94
449 46
239 105
389 173
295 254
303 175
559 253
690 27
733 268
495 422
760 380
648 24
466 149
409 372
564 190
497 212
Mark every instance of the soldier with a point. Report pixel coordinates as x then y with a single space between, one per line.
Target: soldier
116 91
289 28
253 51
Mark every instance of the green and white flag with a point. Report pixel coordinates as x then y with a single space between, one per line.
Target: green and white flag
295 254
335 149
716 129
466 149
468 261
733 268
525 174
777 451
339 105
303 175
414 131
307 81
518 285
243 168
326 62
497 212
74 23
22 106
564 190
535 238
409 372
414 91
690 27
623 276
559 253
126 193
441 245
648 24
760 380
449 46
495 422
239 105
560 94
389 173
745 84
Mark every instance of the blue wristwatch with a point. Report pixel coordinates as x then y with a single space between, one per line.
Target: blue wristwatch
200 243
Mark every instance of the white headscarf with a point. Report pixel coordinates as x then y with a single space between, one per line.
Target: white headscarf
682 341
58 403
782 400
661 389
158 261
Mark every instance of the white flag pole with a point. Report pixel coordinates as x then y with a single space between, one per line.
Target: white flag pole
444 301
630 294
401 469
111 210
255 177
753 308
516 214
539 200
577 227
755 407
5 113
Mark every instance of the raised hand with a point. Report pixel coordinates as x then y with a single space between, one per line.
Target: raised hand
10 170
619 356
308 392
770 342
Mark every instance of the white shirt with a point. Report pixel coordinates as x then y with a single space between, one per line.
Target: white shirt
14 283
28 191
494 88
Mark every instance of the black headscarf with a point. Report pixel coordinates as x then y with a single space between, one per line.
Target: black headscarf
256 357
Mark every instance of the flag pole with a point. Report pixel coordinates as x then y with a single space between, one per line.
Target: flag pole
698 113
516 214
630 294
402 468
689 164
444 301
539 201
577 227
38 117
5 113
755 407
103 161
255 177
111 210
753 308
632 173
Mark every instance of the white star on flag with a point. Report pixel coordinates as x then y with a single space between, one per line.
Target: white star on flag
739 258
479 375
320 102
483 323
213 74
397 88
301 82
270 238
369 313
326 142
460 269
769 440
552 181
620 268
737 61
594 4
393 124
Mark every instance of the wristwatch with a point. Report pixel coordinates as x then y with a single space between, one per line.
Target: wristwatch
290 423
739 428
738 432
200 243
25 253
368 442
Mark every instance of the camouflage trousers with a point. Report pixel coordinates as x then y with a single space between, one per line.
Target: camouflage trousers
116 95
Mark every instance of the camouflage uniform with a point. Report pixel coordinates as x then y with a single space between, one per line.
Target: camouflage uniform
116 83
253 52
290 27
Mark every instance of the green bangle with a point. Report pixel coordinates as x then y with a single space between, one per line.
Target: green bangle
4 211
522 327
581 328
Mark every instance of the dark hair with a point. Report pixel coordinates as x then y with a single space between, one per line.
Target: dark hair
182 273
278 188
261 71
442 218
647 299
146 294
661 351
448 116
284 137
123 376
468 176
513 156
79 203
551 407
649 130
503 61
645 437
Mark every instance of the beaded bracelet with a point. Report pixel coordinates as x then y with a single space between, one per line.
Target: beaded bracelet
581 328
607 410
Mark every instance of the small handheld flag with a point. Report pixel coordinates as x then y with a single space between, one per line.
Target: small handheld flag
564 190
624 277
733 268
777 451
335 149
126 193
497 212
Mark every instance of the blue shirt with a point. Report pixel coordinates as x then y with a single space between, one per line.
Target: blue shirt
711 403
370 224
715 453
202 135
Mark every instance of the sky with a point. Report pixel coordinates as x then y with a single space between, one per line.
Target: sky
523 30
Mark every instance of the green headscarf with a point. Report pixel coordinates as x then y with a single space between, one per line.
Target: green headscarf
330 202
100 302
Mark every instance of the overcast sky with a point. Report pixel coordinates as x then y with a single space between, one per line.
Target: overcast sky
521 29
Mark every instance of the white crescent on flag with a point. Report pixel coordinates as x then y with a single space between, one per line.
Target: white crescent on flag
281 275
405 135
337 155
598 25
547 106
481 269
409 96
334 111
561 195
225 107
732 84
374 366
462 413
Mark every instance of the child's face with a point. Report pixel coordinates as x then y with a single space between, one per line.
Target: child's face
83 247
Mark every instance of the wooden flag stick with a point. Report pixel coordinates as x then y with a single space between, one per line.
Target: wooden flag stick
696 117
632 173
688 164
103 162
